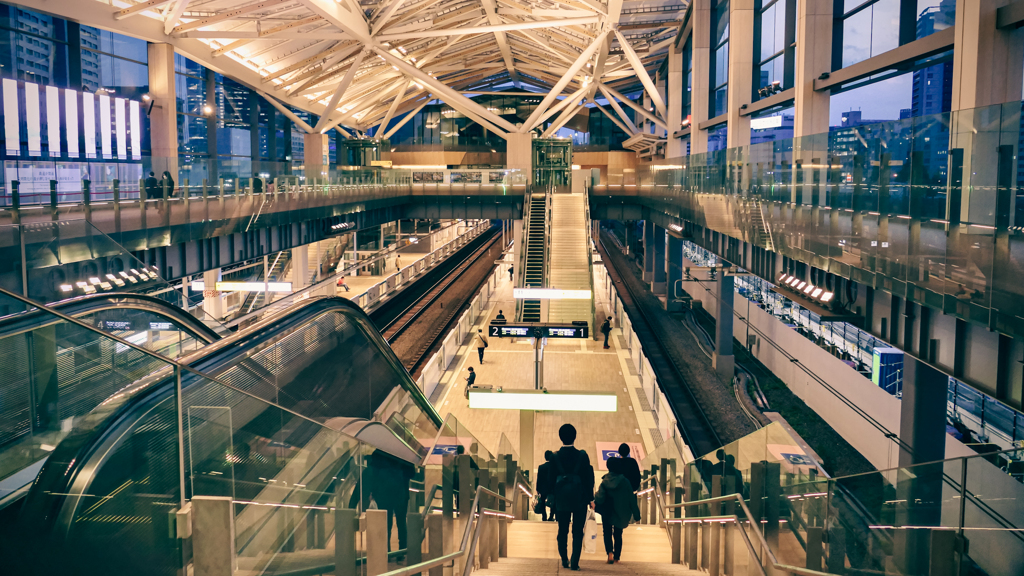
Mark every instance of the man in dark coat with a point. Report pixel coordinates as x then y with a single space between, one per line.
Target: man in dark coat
152 187
630 469
388 484
574 493
546 486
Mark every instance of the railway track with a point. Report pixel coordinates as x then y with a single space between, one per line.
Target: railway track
694 425
443 317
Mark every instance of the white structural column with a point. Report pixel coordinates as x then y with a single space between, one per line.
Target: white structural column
741 62
519 155
700 95
315 155
300 266
986 61
813 58
674 146
213 304
163 121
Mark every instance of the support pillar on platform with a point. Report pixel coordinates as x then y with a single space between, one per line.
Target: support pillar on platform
213 305
658 280
673 272
922 436
300 267
723 359
649 236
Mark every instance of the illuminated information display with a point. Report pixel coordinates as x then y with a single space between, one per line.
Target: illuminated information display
539 330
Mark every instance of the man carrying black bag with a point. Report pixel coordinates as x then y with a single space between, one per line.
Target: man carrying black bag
574 493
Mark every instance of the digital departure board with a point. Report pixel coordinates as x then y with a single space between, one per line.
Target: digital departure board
539 330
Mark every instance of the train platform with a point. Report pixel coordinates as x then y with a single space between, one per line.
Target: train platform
359 284
569 364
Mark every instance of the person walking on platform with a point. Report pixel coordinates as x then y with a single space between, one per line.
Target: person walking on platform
574 493
614 503
630 469
481 343
470 381
398 262
546 486
510 273
606 329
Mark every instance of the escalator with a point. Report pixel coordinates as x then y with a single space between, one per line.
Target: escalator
276 417
54 372
536 252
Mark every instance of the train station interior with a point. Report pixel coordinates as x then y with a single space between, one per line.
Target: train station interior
313 287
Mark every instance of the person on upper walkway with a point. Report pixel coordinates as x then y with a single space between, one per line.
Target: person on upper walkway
152 186
574 493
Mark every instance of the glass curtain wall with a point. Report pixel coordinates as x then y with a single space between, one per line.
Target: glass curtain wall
720 59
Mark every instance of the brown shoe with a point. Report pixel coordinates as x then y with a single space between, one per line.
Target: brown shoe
611 559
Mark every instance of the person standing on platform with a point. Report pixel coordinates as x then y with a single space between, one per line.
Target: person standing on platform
152 186
630 469
574 493
481 344
470 381
546 486
606 329
398 262
510 273
168 184
388 485
614 502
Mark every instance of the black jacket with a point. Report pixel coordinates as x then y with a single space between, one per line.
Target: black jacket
568 457
545 479
153 190
631 470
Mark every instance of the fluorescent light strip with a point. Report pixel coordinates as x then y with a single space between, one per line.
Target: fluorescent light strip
122 130
105 125
12 131
35 139
71 121
546 402
53 120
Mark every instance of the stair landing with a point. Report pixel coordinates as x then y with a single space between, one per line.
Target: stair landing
536 540
550 567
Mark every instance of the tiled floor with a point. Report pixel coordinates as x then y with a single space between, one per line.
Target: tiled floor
568 365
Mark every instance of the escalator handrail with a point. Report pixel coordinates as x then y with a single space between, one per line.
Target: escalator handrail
36 318
85 440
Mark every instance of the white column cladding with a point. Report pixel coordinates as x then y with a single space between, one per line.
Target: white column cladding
12 132
89 124
700 95
674 147
32 126
163 120
53 121
813 58
71 111
741 62
120 123
105 126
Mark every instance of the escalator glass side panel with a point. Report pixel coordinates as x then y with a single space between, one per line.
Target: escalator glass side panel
283 387
53 372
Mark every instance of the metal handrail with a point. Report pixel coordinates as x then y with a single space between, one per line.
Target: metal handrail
468 547
663 508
